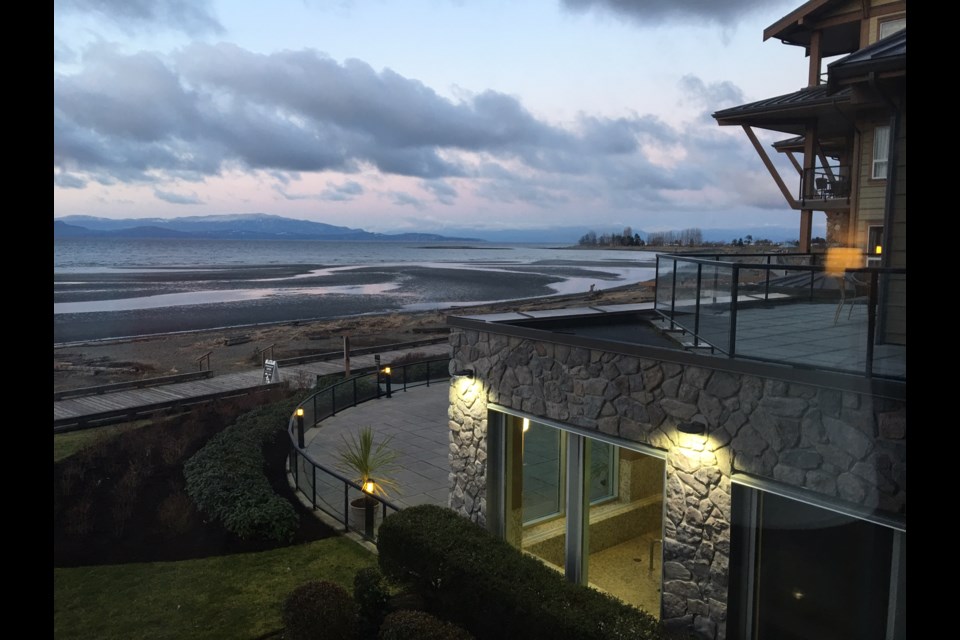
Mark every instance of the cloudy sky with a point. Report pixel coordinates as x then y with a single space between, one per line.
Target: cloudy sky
422 114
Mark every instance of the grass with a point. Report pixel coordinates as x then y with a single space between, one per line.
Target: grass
231 597
67 444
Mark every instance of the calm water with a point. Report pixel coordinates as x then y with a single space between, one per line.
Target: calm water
98 275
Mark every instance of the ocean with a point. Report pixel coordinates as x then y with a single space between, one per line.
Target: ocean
111 287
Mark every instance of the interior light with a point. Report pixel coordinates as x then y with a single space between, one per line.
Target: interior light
878 249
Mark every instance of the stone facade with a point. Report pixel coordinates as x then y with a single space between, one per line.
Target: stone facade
839 444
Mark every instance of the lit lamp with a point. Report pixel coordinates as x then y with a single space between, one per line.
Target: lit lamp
692 428
369 505
300 427
878 249
386 378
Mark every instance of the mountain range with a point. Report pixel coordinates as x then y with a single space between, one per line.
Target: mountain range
261 226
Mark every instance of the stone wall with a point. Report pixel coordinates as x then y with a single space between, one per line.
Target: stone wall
839 444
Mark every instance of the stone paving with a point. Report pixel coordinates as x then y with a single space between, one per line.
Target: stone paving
417 421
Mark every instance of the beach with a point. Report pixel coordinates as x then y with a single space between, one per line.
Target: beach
236 334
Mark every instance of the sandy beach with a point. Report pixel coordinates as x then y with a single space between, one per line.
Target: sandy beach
294 327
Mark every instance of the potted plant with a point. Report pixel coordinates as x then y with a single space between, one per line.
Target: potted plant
371 466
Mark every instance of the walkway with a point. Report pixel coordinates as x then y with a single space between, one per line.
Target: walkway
417 421
132 402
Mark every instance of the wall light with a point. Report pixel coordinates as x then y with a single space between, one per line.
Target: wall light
526 424
464 373
693 428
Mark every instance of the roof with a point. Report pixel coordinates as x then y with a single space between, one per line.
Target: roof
840 29
787 113
889 54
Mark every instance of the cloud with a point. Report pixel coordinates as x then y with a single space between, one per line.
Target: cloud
209 110
655 12
711 97
342 193
67 181
443 192
176 198
191 16
403 199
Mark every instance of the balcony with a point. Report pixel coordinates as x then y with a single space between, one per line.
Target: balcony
787 309
825 188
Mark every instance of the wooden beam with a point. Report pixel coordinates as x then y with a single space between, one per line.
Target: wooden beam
769 165
813 76
796 165
806 230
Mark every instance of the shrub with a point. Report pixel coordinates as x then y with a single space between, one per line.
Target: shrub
226 477
419 625
319 610
452 561
372 598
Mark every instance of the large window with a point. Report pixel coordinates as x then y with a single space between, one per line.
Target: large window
799 571
881 152
587 507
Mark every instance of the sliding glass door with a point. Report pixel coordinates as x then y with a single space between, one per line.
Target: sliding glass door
589 508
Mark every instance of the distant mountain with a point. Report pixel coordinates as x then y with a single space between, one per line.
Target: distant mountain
254 226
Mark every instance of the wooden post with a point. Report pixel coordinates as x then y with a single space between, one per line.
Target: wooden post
346 355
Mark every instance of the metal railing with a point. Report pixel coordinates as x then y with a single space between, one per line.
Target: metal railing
328 490
831 182
787 309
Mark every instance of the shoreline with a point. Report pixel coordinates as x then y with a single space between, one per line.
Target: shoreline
239 347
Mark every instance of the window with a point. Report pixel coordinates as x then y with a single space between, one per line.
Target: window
881 152
800 571
890 27
588 508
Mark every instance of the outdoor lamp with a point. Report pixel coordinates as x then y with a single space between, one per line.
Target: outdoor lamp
299 412
386 371
464 373
692 428
369 486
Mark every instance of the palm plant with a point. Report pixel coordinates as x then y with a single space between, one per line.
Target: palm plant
371 465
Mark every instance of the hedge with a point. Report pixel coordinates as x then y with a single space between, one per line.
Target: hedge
419 625
227 482
319 610
476 580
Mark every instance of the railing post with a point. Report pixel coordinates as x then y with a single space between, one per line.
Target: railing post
696 314
386 377
872 321
354 392
673 294
296 469
333 399
766 286
314 492
735 293
812 272
376 361
346 507
405 376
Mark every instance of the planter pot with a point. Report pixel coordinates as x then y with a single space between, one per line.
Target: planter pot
358 520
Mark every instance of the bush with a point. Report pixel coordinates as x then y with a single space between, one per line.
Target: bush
372 598
419 625
319 610
453 562
227 482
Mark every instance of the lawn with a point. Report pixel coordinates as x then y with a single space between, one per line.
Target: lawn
67 444
232 597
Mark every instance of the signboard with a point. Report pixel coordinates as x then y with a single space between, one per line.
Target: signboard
271 372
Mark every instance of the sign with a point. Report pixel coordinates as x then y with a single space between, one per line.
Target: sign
271 372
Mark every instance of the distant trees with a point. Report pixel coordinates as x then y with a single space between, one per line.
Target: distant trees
627 238
692 237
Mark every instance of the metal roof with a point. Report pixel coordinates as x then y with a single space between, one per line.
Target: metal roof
889 54
787 113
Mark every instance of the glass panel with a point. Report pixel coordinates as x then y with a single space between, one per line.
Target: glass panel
625 533
715 296
820 574
603 472
881 150
535 498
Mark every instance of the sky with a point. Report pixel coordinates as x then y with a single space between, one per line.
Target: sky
426 115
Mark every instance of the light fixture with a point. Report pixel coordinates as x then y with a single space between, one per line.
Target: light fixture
526 424
386 371
464 373
299 412
878 249
369 486
692 428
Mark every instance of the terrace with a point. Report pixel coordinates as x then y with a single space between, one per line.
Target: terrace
782 308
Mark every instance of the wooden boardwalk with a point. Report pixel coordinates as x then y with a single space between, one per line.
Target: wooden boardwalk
76 412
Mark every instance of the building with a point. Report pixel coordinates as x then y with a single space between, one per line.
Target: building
732 456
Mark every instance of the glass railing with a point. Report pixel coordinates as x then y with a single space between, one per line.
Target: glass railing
786 308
